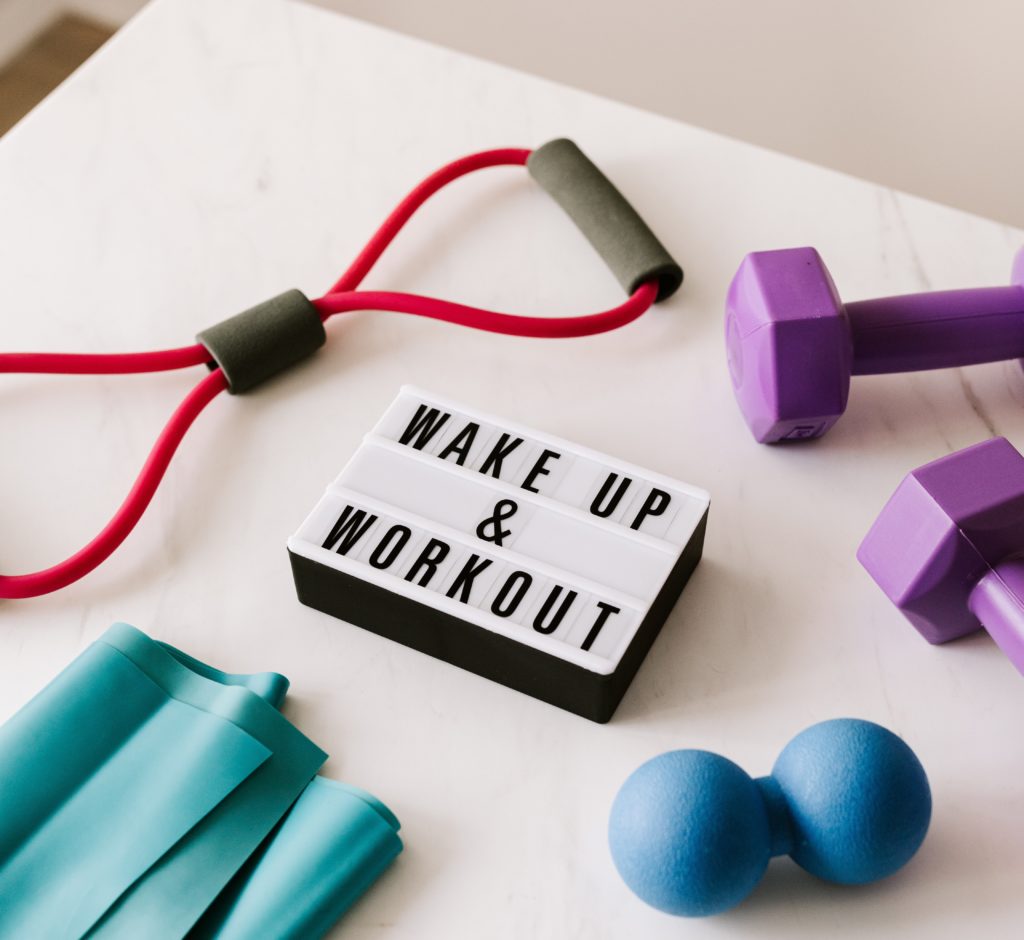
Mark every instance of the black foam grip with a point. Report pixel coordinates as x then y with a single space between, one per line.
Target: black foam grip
601 212
266 339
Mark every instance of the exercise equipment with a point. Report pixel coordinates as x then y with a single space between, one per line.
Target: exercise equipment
793 345
146 794
691 833
249 348
948 547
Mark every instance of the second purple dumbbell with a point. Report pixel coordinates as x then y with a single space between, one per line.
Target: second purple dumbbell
793 345
948 548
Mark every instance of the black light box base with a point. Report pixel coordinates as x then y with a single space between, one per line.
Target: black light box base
488 654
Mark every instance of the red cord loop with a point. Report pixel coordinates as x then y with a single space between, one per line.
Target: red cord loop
341 298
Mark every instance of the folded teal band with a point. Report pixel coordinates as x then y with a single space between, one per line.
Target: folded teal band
141 783
333 845
269 686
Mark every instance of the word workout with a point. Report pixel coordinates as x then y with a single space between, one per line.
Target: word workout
525 558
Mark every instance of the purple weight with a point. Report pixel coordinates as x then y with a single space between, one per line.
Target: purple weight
793 345
948 548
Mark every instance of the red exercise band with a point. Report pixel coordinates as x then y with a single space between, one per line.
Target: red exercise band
341 298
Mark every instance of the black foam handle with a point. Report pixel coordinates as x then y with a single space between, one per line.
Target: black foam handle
601 212
266 339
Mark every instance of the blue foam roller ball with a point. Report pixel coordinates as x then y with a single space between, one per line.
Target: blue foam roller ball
691 833
858 797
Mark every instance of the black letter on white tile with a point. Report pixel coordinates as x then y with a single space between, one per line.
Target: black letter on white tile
492 464
425 423
431 556
606 611
390 547
463 582
654 505
461 443
609 507
538 622
350 528
539 469
518 581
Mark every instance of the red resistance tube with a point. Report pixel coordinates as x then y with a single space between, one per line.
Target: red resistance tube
343 297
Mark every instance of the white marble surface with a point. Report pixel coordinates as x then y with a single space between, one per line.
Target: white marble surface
216 153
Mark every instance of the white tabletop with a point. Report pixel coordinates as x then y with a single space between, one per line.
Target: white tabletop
217 153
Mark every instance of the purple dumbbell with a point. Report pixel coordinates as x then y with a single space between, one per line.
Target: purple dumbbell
793 345
948 548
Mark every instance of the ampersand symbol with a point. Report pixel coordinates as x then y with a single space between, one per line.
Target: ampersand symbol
490 529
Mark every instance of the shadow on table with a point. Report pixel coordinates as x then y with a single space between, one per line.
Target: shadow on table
713 651
962 406
954 871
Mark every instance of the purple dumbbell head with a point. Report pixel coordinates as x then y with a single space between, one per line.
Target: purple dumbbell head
793 346
789 345
946 547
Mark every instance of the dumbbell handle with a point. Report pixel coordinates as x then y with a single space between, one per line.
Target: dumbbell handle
997 600
937 330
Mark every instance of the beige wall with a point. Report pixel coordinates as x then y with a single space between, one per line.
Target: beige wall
924 95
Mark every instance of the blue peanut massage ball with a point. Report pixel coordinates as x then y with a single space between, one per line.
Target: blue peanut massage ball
691 833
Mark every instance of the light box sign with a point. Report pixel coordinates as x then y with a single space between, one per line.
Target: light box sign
525 558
